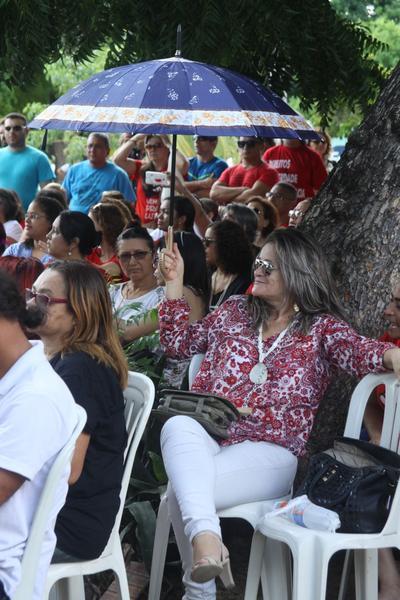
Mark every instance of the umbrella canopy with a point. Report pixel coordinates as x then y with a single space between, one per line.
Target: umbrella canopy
174 96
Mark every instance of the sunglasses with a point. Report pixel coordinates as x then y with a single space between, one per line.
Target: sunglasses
153 146
43 301
139 255
266 266
208 241
296 213
246 144
14 128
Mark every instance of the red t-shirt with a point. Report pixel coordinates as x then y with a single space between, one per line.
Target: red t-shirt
239 176
301 166
147 198
111 268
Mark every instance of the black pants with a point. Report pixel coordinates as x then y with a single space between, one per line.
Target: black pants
3 595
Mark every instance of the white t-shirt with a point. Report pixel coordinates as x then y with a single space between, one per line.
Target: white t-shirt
13 230
37 417
127 309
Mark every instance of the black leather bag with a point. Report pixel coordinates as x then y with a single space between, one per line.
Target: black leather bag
357 480
214 413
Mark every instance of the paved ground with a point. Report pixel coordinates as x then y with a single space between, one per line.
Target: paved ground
237 536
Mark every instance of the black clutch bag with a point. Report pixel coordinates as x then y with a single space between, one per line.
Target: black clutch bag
357 480
214 413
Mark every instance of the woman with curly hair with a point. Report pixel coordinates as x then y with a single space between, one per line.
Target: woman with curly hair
110 221
229 255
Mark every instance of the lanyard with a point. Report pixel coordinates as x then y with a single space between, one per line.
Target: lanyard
263 355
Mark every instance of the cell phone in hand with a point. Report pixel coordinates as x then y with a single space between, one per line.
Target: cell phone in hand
157 178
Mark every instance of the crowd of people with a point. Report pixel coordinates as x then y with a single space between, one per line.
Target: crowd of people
86 270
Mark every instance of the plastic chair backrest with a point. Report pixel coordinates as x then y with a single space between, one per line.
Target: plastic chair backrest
139 400
390 437
194 367
30 559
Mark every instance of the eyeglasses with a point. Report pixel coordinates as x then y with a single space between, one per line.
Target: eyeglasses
14 128
139 255
208 241
154 146
43 300
33 216
296 213
266 266
246 143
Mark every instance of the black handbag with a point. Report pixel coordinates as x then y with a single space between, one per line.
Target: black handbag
355 479
214 413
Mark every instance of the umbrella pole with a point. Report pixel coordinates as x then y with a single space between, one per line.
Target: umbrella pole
170 233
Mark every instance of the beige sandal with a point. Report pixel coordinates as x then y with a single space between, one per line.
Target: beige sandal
208 567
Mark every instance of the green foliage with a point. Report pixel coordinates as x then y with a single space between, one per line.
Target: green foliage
302 47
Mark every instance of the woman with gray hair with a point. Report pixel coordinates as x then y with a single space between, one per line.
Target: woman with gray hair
271 354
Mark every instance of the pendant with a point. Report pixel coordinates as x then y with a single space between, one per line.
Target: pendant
259 373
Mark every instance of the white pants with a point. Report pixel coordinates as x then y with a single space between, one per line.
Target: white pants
205 477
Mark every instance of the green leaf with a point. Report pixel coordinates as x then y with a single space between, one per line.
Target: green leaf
145 518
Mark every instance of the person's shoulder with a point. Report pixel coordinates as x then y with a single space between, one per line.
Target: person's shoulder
35 153
79 166
217 160
113 168
75 362
17 249
235 168
273 151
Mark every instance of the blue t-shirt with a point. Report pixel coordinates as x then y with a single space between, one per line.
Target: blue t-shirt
202 170
23 170
23 251
85 184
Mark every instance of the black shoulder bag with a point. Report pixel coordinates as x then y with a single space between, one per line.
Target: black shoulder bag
357 480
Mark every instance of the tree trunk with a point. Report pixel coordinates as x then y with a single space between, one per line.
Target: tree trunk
356 219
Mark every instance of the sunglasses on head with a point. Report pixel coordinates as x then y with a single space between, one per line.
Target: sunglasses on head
246 144
266 266
43 300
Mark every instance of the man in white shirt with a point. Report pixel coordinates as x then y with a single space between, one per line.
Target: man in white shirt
37 417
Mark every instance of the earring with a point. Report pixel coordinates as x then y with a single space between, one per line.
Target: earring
296 308
69 253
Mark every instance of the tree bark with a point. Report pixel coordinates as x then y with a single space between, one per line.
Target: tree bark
356 219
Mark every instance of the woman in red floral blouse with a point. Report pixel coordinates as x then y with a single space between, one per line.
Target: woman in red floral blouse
272 354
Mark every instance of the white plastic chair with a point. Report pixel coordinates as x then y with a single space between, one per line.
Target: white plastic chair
30 560
139 398
313 549
275 572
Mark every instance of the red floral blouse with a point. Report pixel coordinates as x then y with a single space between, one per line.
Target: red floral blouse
299 368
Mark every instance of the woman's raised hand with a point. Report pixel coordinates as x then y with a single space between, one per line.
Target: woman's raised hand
172 268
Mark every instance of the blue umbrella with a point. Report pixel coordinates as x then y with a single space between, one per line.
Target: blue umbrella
174 96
